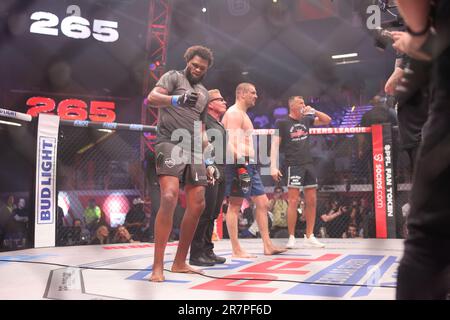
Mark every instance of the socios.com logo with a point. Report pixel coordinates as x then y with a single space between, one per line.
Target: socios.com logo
378 157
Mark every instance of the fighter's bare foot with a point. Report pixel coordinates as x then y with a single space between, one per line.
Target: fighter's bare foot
185 268
274 250
157 276
243 254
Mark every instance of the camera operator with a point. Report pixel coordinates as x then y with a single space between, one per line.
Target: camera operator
336 220
423 272
409 83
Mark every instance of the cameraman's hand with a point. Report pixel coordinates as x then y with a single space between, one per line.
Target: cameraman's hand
410 45
393 80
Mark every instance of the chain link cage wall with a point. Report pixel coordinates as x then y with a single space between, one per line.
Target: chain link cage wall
101 175
345 195
99 180
17 174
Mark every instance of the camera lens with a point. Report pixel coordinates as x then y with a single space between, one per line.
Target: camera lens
382 38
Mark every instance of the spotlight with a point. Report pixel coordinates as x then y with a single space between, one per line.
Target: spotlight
9 123
343 56
105 130
204 9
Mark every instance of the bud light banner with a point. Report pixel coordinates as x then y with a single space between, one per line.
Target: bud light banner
47 140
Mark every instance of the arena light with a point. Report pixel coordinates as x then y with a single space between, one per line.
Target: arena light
9 123
154 65
344 56
105 130
348 62
64 202
204 10
115 208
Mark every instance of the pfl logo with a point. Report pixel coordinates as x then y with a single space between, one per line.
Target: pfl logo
170 163
374 20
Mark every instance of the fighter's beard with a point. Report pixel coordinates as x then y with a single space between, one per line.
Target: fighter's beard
191 79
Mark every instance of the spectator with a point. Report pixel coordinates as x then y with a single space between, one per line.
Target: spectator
10 204
352 231
379 114
135 220
6 212
78 235
355 215
101 235
15 228
123 236
92 215
367 219
278 206
73 235
19 223
336 220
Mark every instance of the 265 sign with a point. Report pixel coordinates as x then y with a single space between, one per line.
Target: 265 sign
74 26
73 109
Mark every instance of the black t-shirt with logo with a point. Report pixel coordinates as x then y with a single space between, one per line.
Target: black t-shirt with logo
294 136
217 136
182 119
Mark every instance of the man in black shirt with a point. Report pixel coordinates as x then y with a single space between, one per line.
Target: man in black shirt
135 219
410 84
182 100
424 271
293 138
202 253
379 114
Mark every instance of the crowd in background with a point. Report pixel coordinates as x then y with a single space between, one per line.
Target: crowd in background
337 217
337 161
14 224
96 228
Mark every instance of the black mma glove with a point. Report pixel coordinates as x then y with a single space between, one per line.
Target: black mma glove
188 99
212 172
243 176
